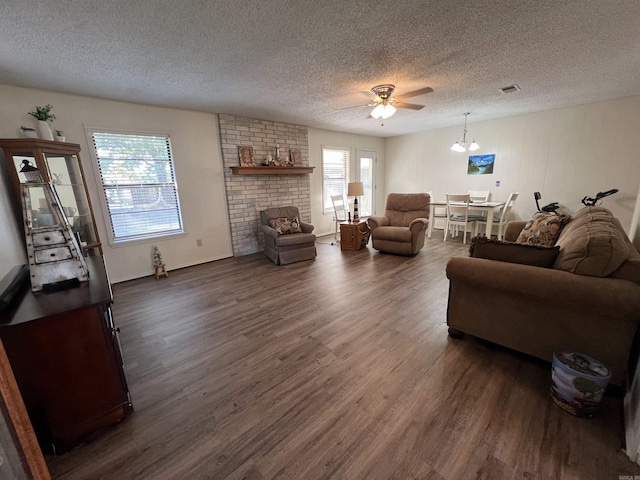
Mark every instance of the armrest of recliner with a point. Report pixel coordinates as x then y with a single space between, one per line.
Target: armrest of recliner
306 227
375 222
418 224
269 231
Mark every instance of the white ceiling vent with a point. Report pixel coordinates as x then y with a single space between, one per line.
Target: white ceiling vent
510 89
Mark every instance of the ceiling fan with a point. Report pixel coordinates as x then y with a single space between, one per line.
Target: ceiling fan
386 105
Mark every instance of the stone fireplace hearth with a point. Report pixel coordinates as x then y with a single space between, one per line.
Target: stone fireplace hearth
247 195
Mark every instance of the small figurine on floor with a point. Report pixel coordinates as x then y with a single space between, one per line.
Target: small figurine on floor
158 264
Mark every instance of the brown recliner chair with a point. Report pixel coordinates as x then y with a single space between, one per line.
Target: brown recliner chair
403 227
280 244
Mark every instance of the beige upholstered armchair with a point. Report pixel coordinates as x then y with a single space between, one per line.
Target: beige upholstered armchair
286 238
403 227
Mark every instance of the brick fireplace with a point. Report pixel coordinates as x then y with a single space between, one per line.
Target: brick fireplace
247 195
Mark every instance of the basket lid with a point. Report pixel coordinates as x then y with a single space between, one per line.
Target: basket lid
582 363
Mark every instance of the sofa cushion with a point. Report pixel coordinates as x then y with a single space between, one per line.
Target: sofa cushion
593 244
285 225
535 255
543 229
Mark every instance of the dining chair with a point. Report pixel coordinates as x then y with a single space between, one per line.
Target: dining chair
501 220
458 214
439 214
340 209
480 195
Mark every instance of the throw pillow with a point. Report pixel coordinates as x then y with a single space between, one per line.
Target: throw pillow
285 225
537 256
543 229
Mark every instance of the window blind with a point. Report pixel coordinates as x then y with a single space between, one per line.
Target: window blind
139 185
335 168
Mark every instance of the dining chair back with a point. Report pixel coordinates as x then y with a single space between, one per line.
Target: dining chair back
500 221
340 209
479 195
439 214
458 214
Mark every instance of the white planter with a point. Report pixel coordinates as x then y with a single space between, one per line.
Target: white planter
60 138
45 130
29 134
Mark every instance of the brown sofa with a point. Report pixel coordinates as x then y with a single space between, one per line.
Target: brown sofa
587 300
284 247
402 228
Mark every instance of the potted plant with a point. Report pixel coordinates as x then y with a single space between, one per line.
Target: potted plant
60 136
44 115
28 132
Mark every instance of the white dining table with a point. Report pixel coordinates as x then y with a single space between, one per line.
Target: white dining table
488 207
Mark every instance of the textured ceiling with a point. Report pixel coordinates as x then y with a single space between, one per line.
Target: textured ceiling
303 62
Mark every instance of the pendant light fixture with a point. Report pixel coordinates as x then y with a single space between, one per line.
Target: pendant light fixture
461 146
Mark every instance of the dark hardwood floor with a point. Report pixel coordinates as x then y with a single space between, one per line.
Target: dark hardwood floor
335 368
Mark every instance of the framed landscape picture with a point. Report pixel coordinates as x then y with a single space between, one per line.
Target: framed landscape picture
296 158
246 156
481 164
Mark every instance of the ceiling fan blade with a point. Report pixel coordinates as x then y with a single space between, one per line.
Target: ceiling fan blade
415 93
411 106
359 106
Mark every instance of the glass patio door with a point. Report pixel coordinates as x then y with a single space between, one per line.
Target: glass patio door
365 173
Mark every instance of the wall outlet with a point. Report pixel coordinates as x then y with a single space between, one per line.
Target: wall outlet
199 242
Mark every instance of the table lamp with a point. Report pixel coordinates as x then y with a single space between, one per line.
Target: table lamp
355 189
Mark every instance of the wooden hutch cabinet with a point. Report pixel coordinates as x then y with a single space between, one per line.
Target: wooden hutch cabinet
59 163
64 352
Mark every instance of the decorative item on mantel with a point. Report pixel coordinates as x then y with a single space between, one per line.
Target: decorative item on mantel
60 136
44 115
296 158
158 264
246 156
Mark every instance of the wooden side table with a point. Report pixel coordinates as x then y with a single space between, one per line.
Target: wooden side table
354 235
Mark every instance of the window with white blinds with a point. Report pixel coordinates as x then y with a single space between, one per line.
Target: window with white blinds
139 185
335 168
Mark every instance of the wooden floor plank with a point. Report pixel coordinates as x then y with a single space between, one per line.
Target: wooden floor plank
339 368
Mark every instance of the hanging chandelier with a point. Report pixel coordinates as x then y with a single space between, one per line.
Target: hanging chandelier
461 146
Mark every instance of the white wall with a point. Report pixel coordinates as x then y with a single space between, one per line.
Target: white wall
198 165
564 153
323 223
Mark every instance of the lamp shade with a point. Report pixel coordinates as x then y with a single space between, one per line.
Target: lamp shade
378 111
389 110
355 189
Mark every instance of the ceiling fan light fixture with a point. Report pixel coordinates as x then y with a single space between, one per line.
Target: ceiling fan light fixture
388 111
378 111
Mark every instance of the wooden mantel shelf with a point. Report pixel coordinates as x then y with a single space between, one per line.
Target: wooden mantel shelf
271 170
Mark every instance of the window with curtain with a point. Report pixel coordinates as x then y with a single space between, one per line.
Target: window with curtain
335 168
139 185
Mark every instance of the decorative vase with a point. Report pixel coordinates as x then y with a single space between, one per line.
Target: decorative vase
45 130
30 134
60 138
